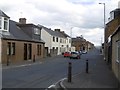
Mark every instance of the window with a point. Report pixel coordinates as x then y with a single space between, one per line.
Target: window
69 40
60 40
36 31
57 39
5 24
0 23
118 52
53 48
39 48
111 15
8 48
53 39
13 49
30 51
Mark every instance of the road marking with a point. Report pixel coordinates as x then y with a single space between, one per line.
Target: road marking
51 86
61 84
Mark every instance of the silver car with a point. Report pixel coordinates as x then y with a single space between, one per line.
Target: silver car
75 55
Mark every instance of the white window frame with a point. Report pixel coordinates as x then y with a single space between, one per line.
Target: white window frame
118 51
112 15
36 31
6 20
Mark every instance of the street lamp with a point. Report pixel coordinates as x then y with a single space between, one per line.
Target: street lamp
104 13
104 28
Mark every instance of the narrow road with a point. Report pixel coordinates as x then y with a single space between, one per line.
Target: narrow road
44 74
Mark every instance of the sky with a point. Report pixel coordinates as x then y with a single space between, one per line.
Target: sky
75 17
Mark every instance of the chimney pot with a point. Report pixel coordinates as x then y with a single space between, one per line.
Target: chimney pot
22 20
57 30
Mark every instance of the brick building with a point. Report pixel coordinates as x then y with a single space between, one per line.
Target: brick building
114 22
81 44
19 41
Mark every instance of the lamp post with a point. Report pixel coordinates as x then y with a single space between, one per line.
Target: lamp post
104 28
104 13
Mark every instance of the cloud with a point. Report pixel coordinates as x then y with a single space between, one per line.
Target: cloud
86 16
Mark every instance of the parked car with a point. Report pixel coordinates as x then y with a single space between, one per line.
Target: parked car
67 54
84 52
75 55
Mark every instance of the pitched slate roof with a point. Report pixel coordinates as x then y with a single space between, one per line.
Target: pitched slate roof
3 14
16 33
53 33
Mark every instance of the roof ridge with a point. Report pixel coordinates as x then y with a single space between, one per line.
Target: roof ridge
3 14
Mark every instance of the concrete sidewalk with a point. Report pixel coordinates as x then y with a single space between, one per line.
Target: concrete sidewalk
28 62
99 76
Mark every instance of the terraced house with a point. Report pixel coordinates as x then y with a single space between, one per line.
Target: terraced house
19 41
56 42
82 44
112 42
115 39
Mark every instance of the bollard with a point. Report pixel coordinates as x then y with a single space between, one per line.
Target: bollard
34 58
69 72
86 66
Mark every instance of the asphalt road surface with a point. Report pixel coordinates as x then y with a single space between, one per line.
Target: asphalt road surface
44 74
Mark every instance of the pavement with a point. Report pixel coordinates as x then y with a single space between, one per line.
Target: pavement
99 76
28 62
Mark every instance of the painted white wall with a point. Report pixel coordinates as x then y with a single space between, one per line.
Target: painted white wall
56 44
63 46
46 37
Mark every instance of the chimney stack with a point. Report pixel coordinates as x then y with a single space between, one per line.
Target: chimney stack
62 32
22 20
57 30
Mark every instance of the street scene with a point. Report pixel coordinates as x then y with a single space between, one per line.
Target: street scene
51 71
59 44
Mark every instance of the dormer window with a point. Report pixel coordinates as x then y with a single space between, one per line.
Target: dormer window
4 21
36 31
5 24
111 15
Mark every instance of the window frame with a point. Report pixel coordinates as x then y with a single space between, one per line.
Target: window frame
36 31
57 39
38 49
118 51
13 48
5 24
8 48
53 39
